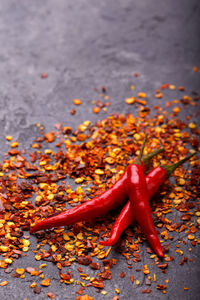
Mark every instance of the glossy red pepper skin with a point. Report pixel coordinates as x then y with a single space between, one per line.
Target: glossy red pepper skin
153 180
89 210
138 195
92 209
96 207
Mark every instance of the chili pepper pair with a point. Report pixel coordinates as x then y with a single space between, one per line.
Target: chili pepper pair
136 189
96 207
132 184
154 180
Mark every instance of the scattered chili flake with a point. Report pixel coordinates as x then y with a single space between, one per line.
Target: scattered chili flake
33 285
77 101
65 276
165 86
46 282
142 95
50 137
130 100
4 283
72 112
14 144
8 270
169 258
146 291
159 95
142 102
184 259
37 289
44 75
191 237
9 137
50 295
195 69
84 297
192 125
145 270
97 283
181 88
103 88
110 160
172 87
96 110
176 110
94 156
122 275
20 271
163 266
161 286
95 266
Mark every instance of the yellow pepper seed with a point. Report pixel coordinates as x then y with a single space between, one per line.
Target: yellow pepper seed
77 101
130 100
14 144
9 137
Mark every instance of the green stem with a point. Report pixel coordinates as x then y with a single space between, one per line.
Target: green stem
170 169
138 160
148 157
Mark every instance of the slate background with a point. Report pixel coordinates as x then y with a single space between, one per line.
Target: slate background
84 45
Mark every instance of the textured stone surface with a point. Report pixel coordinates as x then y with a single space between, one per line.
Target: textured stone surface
83 45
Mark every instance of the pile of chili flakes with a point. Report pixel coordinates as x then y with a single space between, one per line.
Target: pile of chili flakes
65 168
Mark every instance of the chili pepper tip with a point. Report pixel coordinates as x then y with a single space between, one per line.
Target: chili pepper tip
159 252
106 243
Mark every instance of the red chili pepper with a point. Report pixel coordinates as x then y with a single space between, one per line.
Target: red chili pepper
96 207
153 180
138 195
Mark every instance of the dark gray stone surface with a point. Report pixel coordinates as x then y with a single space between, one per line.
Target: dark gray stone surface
84 45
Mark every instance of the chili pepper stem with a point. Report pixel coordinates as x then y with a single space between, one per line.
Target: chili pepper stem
138 160
170 168
148 157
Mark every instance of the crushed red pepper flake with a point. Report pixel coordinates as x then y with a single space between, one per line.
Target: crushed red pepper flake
161 286
50 136
84 297
77 101
195 69
37 289
44 75
122 275
96 110
146 291
46 282
130 100
4 283
50 295
94 157
72 112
